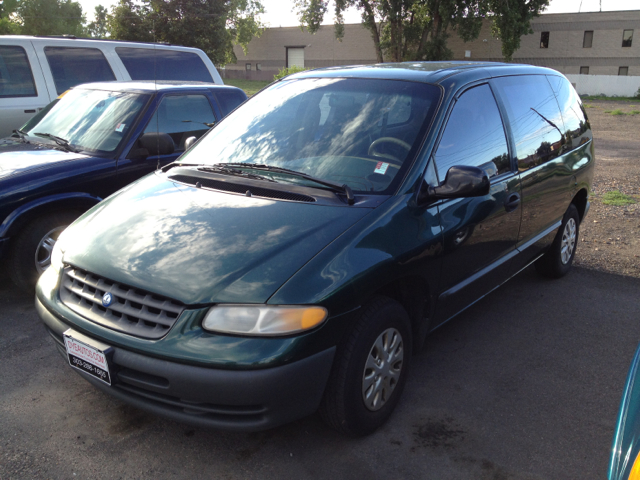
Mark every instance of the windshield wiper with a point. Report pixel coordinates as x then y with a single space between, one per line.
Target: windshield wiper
336 187
22 135
60 141
222 168
233 171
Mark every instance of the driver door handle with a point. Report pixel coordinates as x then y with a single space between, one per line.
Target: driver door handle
512 202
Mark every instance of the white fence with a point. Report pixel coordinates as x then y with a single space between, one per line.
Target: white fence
609 85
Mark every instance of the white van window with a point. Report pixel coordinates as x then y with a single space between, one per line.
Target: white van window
16 79
71 66
162 64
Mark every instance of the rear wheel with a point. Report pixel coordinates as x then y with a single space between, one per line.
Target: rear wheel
370 370
31 252
557 261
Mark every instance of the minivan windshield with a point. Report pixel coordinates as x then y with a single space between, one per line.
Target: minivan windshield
360 132
89 120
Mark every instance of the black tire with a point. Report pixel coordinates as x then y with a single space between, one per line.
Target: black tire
22 258
343 406
557 261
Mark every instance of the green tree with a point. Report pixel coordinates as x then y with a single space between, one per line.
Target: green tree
512 20
128 21
100 26
418 29
50 17
211 25
8 25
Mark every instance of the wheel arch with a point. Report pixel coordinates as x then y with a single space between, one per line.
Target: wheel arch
22 215
414 294
580 201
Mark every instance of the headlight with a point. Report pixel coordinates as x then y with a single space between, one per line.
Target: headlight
56 254
263 319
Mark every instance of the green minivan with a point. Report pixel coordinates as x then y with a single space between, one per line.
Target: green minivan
295 257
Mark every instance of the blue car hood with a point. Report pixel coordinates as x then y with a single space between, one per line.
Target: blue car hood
17 157
200 246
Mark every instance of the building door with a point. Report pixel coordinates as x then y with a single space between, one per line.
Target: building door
295 57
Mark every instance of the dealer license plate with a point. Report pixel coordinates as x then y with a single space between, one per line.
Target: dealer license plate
87 355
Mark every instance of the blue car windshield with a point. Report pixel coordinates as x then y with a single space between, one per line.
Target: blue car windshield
90 120
360 132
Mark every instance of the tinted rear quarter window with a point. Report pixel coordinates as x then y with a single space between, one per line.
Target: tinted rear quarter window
161 64
71 66
576 125
16 79
535 119
229 99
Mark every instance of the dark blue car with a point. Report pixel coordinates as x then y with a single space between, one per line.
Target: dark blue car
88 144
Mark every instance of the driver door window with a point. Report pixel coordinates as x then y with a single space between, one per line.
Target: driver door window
474 135
181 117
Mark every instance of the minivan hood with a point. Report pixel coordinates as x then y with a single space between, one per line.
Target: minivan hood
17 157
200 246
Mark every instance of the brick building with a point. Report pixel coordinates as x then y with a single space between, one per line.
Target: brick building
596 43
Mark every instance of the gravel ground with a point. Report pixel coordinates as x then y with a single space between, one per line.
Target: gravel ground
610 235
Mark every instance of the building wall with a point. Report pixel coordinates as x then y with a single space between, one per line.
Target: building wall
320 50
565 52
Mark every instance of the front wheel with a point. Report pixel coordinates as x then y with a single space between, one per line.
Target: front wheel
370 370
557 261
32 247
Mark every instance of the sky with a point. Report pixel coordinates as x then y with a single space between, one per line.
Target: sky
281 13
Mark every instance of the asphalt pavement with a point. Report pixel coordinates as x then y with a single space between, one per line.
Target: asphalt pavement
525 384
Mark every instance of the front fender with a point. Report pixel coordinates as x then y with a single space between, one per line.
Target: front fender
62 201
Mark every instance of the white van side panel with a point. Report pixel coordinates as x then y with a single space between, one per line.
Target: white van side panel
15 111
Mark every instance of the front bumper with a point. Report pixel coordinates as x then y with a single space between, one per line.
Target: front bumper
241 400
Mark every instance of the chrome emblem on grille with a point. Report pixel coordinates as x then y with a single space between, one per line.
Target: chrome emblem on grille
107 299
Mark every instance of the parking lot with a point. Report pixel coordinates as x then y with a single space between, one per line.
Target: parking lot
523 385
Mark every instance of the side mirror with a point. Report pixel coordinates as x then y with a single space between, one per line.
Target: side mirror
462 181
189 142
157 143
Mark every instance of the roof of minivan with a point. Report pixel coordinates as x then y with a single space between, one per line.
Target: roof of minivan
428 72
148 86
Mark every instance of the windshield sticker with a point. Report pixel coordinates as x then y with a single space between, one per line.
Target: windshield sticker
381 168
120 127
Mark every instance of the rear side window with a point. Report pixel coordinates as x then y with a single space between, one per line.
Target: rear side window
535 119
474 135
16 79
576 125
230 99
71 66
182 116
161 64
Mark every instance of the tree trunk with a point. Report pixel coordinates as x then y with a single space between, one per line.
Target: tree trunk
370 23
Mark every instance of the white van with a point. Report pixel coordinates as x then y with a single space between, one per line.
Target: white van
35 70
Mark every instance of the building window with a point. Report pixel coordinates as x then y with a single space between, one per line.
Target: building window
623 71
258 67
587 41
248 66
584 70
544 40
627 36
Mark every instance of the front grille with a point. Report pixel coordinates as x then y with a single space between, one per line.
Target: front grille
132 310
242 189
